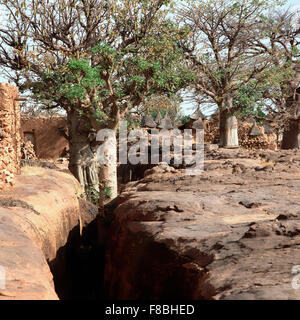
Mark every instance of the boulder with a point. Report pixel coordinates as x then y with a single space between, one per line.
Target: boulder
214 236
37 217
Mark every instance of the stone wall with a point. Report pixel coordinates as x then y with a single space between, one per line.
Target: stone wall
10 142
263 141
46 134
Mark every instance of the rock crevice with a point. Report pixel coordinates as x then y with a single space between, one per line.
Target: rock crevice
29 241
234 234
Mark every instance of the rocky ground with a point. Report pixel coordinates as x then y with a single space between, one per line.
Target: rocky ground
38 217
232 232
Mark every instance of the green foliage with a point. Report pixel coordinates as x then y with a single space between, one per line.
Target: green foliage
132 122
154 112
248 101
105 50
229 47
109 76
184 119
92 195
70 83
107 192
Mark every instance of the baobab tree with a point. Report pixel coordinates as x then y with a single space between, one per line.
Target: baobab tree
281 45
218 50
40 36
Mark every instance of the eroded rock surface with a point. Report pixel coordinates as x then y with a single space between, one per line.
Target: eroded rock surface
231 233
36 218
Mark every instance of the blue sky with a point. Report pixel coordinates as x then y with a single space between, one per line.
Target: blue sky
295 2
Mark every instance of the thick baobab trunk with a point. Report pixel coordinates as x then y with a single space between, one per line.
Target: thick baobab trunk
222 127
291 136
232 140
107 160
82 164
228 126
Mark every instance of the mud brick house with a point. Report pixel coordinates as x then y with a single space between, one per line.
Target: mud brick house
46 135
10 141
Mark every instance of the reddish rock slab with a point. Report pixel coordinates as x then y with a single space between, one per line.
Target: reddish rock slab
225 234
36 217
